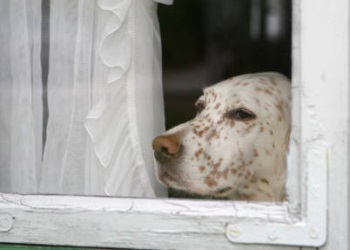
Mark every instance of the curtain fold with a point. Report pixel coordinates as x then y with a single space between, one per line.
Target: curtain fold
71 44
21 92
104 98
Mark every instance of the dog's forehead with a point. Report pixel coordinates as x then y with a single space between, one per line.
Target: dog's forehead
244 89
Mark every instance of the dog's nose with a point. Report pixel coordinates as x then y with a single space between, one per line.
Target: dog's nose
165 146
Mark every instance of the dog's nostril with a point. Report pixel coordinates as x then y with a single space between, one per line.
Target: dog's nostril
164 150
165 145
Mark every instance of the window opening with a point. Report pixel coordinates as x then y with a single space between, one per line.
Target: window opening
205 42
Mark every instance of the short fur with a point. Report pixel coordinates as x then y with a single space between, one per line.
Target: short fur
220 154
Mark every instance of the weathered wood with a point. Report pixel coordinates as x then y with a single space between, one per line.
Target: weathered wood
324 69
321 100
132 223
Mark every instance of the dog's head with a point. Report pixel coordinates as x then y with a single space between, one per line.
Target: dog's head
236 144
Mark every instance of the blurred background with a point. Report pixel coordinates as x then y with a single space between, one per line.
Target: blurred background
206 41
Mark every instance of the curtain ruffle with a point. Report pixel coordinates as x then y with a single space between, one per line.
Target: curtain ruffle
103 123
110 123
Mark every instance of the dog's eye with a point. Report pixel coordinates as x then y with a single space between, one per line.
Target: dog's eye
240 114
199 105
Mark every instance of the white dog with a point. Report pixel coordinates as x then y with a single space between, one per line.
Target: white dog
235 147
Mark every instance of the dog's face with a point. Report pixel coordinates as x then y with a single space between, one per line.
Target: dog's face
235 145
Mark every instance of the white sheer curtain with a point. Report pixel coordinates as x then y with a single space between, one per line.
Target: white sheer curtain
104 98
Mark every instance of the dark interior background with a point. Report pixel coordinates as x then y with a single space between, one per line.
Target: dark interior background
206 41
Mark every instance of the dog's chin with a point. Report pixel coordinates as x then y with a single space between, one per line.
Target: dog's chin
223 193
164 178
170 183
169 180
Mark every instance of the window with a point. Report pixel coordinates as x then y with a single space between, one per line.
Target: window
319 145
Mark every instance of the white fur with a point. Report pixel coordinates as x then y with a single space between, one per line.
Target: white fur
219 155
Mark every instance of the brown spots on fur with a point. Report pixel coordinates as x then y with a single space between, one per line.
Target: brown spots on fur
263 180
217 106
220 121
268 92
264 90
257 101
198 153
199 132
273 81
210 181
281 106
239 83
220 174
241 159
271 132
211 95
250 177
256 153
241 156
201 169
205 155
261 129
250 127
233 171
201 153
215 165
225 173
213 133
246 197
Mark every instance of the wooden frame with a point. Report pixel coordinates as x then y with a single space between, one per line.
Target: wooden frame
132 223
317 145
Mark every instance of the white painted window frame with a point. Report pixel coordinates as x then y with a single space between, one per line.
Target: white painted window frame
320 39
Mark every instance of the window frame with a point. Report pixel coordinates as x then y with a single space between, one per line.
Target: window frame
197 224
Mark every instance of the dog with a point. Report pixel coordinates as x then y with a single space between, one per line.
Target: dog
236 145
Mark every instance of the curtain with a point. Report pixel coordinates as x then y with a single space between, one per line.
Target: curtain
103 98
